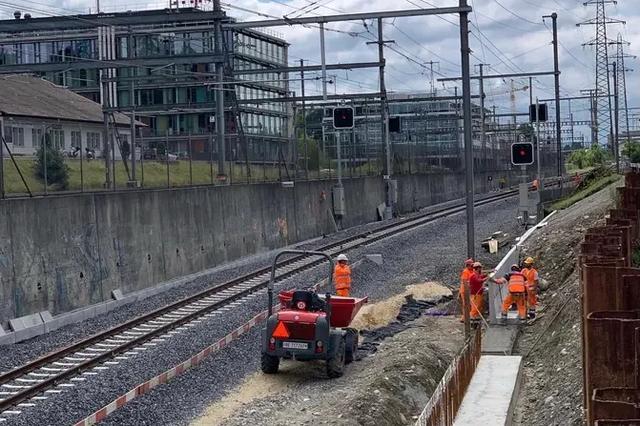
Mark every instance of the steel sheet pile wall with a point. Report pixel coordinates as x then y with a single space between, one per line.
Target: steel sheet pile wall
443 406
610 292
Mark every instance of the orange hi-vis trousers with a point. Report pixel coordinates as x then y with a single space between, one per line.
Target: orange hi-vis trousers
532 296
520 299
463 306
344 292
477 304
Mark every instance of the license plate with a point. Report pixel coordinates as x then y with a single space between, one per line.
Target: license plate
295 345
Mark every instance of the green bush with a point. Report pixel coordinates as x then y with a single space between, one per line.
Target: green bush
57 170
316 158
632 151
590 157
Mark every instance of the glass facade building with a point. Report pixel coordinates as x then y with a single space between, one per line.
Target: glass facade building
172 79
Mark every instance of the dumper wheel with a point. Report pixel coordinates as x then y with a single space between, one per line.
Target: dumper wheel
335 364
351 349
269 364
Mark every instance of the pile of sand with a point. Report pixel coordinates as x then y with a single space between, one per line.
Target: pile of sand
379 314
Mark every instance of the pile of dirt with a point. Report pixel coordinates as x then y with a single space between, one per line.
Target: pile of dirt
390 386
551 393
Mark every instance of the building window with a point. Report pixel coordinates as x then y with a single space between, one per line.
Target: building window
36 137
14 135
93 140
57 139
76 138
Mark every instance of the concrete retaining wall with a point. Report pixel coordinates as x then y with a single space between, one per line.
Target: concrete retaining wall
62 253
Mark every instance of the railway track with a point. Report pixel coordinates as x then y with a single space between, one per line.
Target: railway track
52 373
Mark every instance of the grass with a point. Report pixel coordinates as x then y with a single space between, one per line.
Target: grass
593 182
151 174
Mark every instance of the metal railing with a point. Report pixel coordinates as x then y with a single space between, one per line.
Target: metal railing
443 406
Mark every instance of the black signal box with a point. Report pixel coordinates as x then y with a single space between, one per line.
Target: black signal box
522 154
542 112
343 118
394 125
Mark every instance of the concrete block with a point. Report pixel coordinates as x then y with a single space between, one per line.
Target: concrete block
494 387
117 294
8 339
101 308
25 322
88 312
53 325
113 304
499 340
46 316
29 333
2 332
73 317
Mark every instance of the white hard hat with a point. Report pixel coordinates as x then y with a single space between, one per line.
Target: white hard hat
342 256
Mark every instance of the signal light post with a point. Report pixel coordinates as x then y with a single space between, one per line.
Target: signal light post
342 120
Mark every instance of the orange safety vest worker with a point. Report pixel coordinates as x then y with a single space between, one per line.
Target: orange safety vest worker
476 292
531 275
464 278
342 279
517 294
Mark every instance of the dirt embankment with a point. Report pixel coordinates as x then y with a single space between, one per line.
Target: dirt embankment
387 387
551 393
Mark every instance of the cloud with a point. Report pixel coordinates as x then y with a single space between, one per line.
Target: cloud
507 34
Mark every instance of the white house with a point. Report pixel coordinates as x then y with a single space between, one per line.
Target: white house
31 107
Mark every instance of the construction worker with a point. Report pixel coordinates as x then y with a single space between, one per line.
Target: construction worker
502 182
536 184
476 291
464 280
342 276
531 275
517 287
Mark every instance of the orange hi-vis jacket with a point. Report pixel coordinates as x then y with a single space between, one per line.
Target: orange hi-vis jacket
517 282
464 277
342 277
531 274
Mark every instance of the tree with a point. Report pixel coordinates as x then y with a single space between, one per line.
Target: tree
125 149
313 152
527 131
57 170
591 157
632 150
161 149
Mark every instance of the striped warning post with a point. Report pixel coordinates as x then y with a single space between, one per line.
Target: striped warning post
163 378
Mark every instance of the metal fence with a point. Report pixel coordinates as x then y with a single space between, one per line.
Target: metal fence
165 163
610 290
443 406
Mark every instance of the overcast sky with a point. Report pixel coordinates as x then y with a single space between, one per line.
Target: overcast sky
509 35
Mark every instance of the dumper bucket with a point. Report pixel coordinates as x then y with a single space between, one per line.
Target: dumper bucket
343 309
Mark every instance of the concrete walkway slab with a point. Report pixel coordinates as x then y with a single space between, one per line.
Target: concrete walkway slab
499 339
492 392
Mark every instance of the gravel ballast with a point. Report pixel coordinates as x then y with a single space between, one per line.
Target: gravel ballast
433 252
15 355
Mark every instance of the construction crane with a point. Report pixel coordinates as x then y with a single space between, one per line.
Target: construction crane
512 94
